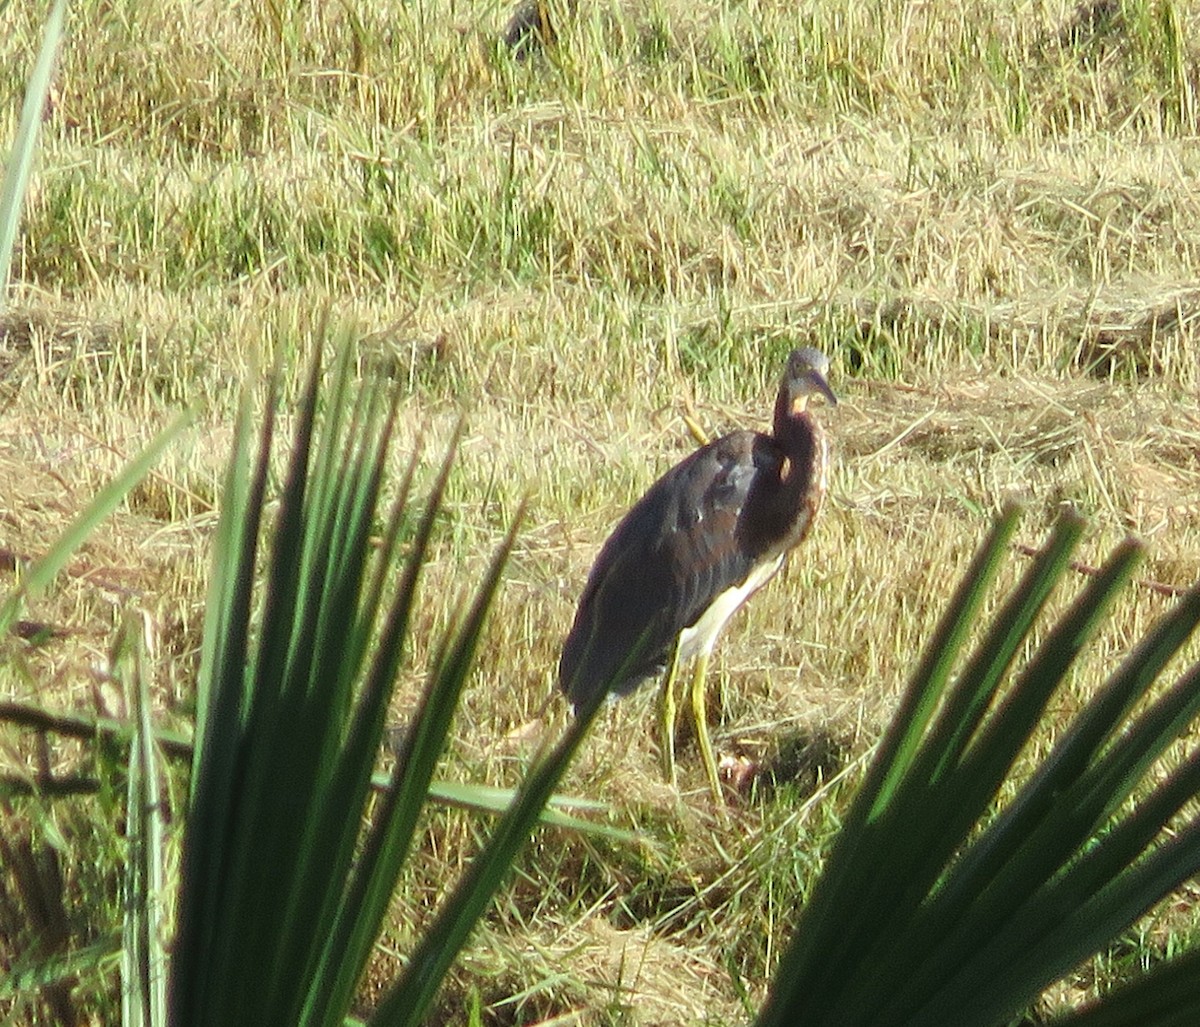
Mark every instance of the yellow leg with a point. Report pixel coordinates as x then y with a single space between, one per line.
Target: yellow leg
700 717
694 429
667 714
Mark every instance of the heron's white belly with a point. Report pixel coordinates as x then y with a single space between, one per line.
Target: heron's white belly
702 635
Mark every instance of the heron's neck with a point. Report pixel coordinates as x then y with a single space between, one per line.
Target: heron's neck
784 509
797 432
783 413
802 442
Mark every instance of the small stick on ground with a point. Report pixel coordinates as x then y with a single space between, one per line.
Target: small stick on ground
1160 587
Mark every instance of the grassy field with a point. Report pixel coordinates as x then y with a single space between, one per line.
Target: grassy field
985 212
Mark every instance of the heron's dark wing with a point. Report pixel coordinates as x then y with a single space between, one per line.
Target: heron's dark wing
676 550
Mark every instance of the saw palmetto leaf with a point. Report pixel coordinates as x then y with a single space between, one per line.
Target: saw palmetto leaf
283 894
936 908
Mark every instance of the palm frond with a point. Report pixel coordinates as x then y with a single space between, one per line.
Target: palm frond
143 954
930 909
282 896
19 166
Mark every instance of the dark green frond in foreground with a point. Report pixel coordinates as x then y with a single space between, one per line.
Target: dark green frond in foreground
921 917
1168 996
281 896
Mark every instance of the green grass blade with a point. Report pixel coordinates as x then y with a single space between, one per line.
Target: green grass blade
20 160
78 725
178 745
483 799
44 571
23 977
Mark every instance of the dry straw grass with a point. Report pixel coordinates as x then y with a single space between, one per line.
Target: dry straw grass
985 212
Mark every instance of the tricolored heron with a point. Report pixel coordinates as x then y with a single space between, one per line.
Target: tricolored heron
703 539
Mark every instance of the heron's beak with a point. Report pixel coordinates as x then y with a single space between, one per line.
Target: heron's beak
816 384
823 388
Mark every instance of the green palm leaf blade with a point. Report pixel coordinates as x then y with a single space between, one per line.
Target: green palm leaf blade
338 776
237 857
847 870
408 999
938 821
1015 870
387 845
220 720
1114 882
298 699
358 916
1074 756
288 898
970 697
1167 996
900 744
320 688
20 162
935 805
826 937
223 649
971 936
1056 933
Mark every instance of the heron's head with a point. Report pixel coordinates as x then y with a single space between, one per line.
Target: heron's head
806 376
